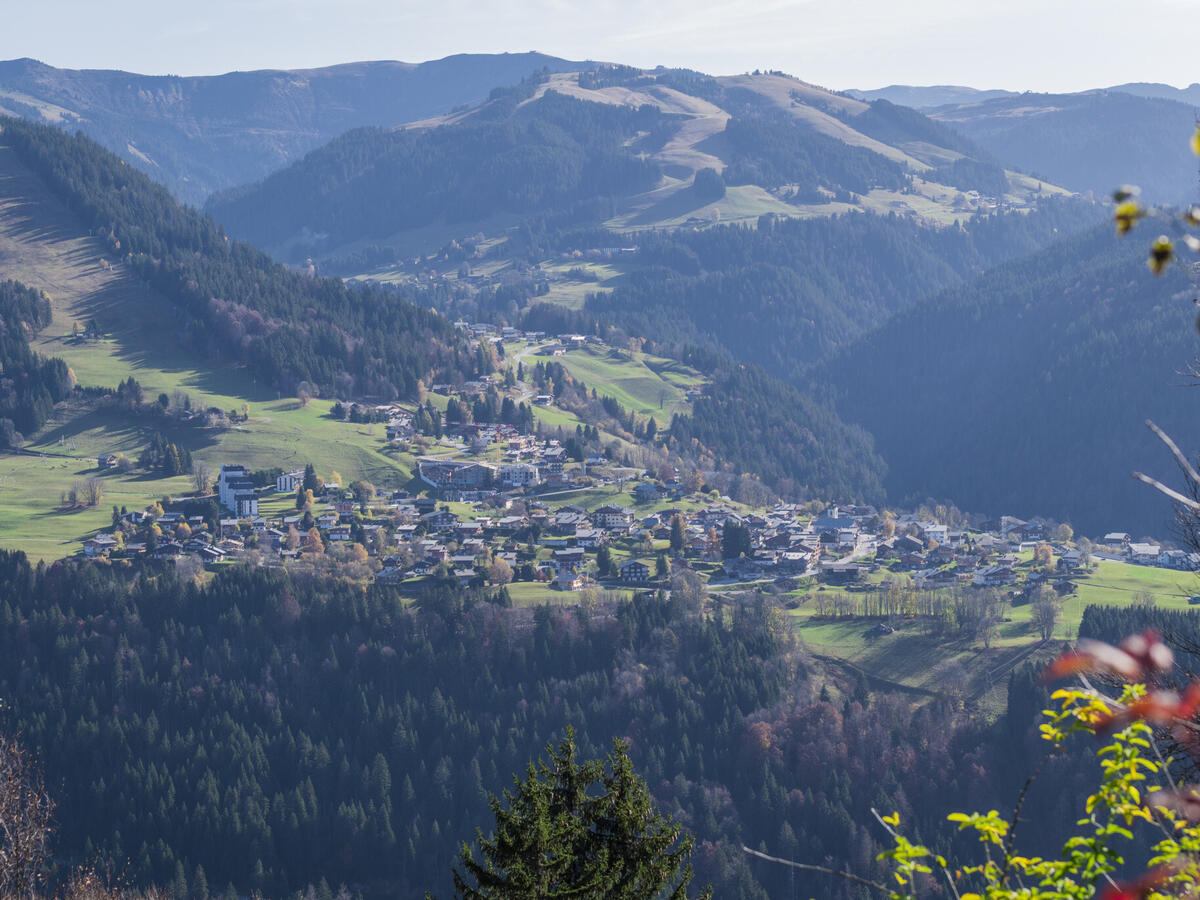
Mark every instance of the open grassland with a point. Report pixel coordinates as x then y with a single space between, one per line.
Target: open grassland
644 384
567 289
277 434
30 490
914 658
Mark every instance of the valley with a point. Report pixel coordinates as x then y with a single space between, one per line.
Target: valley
782 433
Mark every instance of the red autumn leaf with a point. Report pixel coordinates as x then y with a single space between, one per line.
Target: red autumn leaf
1093 658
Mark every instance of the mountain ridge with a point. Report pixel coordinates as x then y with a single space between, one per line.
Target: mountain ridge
197 134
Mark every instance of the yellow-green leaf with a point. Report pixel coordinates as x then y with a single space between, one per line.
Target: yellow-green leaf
1162 251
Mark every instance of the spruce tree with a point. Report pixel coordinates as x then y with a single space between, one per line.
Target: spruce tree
583 830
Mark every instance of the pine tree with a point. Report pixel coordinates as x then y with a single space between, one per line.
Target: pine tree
677 535
585 830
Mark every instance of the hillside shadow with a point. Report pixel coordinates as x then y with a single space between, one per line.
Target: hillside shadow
143 326
145 336
680 204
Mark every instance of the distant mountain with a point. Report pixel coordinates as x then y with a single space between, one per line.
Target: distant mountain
1090 141
1189 94
627 148
1024 392
200 134
924 97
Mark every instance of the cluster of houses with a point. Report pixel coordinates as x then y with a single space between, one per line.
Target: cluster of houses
1147 553
409 537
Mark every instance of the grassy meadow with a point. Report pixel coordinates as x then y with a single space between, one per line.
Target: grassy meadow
40 245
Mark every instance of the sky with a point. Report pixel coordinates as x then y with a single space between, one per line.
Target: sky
1044 45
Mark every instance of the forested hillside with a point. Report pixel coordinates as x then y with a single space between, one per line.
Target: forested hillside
1096 140
794 444
232 301
788 293
1024 392
556 155
201 134
29 384
628 147
271 732
231 306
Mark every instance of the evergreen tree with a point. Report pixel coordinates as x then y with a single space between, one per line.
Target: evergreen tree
571 829
677 535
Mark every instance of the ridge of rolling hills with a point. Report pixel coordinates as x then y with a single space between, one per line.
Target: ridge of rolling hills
775 145
203 133
1090 141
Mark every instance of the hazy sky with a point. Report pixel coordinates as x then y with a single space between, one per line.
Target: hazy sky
1054 45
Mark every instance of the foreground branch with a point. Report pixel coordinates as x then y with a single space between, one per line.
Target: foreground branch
824 870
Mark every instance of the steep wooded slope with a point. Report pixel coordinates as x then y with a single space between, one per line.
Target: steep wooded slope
1025 391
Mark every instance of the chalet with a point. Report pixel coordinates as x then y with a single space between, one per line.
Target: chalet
834 523
439 520
400 430
567 521
99 545
569 556
568 581
648 492
1116 539
1177 559
941 555
795 562
994 576
1008 524
469 529
339 533
634 571
590 538
1144 554
553 460
432 551
933 531
107 461
611 517
390 575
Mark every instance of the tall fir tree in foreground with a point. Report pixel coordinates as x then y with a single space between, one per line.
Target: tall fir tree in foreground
581 830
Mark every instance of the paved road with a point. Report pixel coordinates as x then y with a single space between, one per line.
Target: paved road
526 389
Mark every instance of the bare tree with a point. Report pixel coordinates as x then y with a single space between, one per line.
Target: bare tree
25 812
1045 612
93 491
201 477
